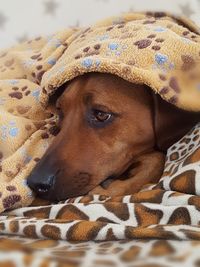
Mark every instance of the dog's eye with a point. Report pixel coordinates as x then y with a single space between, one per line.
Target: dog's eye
102 116
99 118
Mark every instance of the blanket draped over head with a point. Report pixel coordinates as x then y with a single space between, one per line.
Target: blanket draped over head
156 49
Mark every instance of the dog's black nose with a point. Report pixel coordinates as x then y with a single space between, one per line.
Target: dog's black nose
41 186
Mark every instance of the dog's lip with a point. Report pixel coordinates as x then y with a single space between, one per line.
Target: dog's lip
47 196
106 182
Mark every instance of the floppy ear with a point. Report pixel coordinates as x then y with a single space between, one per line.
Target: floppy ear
170 122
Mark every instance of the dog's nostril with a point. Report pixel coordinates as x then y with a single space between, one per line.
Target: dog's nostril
42 188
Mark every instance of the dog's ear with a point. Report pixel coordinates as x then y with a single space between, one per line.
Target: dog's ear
170 122
53 98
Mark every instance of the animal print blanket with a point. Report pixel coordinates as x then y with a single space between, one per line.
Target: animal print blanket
152 48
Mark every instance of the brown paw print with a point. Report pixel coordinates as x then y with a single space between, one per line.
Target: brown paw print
190 35
37 57
8 64
150 40
23 109
89 51
9 201
188 62
144 43
93 50
173 100
172 85
17 95
37 75
19 92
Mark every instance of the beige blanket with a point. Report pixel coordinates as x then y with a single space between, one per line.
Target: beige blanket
153 48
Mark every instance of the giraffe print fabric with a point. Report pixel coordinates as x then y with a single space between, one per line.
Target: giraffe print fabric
157 49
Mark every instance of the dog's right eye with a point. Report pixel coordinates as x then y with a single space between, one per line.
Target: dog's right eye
99 118
102 116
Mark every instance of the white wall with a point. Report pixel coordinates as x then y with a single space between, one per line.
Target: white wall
23 19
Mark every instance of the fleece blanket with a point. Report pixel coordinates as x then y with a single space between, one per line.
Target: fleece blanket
156 49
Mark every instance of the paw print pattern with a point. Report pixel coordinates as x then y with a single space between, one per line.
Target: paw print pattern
35 93
172 85
89 51
13 130
51 61
9 201
8 64
10 130
54 42
115 49
162 62
89 62
151 40
26 157
19 92
102 37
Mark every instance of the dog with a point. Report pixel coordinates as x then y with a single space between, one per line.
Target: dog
113 139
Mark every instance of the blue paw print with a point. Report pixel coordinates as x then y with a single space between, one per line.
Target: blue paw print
87 62
102 37
97 62
13 131
113 46
36 94
28 63
161 59
116 49
163 63
160 29
27 159
51 61
13 82
3 132
54 42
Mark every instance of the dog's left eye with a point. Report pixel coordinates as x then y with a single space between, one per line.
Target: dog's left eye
99 118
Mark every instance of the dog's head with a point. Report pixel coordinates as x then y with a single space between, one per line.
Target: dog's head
105 122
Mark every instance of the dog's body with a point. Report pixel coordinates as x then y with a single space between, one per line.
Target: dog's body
113 139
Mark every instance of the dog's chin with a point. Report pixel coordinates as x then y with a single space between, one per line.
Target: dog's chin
62 195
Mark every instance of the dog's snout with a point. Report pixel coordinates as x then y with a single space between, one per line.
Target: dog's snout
41 186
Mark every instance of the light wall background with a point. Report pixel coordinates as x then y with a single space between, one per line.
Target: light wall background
23 19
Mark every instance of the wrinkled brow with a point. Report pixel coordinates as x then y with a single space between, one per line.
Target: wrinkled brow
87 99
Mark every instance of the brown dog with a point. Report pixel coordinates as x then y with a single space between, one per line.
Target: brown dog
111 130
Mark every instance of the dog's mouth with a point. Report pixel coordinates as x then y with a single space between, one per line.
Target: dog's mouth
126 174
105 184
